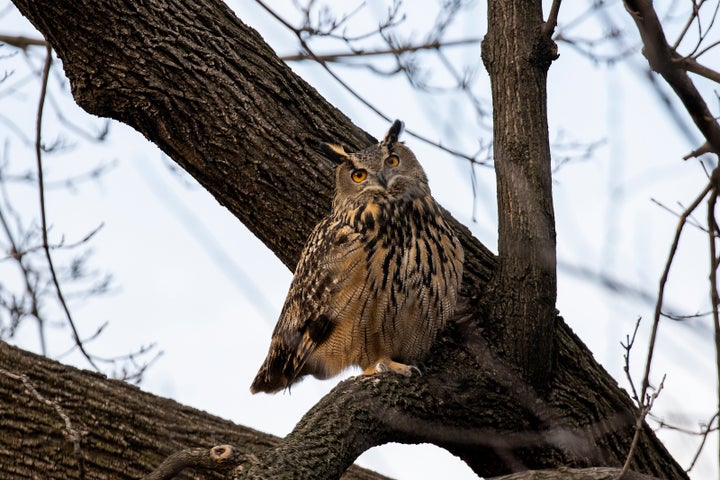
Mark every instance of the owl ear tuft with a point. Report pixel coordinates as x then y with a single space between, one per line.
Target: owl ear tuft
334 152
392 135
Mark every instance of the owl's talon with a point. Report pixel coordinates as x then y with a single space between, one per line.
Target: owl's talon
392 366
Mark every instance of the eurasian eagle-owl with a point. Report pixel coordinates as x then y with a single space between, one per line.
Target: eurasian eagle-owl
377 279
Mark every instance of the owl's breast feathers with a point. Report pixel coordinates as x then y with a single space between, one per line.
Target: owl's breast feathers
375 280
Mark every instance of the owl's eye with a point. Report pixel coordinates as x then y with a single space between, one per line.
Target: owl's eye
392 161
359 176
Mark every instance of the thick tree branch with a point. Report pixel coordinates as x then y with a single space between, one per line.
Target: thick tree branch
665 61
58 419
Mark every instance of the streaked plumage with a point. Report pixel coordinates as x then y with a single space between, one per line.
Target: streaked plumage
378 277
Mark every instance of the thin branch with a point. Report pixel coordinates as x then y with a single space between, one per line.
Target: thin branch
712 231
667 63
708 429
22 42
43 217
398 50
663 281
702 35
357 96
30 289
549 26
645 400
645 407
697 68
688 24
627 346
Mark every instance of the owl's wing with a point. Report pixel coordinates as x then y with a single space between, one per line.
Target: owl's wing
333 257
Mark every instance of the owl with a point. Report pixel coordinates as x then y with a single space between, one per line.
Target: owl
377 279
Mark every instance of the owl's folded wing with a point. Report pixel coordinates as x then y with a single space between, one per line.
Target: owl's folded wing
332 260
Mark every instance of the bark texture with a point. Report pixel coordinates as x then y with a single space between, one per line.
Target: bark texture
523 302
205 88
123 432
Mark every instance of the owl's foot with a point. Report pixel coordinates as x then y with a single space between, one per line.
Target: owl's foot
387 365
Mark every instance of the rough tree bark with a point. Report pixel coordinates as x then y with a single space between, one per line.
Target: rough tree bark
521 304
123 432
206 89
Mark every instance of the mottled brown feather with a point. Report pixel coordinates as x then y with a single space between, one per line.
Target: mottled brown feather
377 279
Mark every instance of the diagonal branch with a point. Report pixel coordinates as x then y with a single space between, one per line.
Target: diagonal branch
665 61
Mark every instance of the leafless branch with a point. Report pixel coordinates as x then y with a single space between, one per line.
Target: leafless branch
627 346
303 33
43 218
399 50
691 19
714 299
695 67
549 26
703 435
667 63
645 405
663 281
22 42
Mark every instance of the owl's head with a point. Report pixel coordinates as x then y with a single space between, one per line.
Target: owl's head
386 170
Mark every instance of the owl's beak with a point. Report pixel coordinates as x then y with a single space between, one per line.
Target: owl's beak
381 178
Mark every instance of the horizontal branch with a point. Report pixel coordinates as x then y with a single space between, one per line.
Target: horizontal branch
22 42
125 432
697 68
398 50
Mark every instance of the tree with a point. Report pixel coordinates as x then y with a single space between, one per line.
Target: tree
217 100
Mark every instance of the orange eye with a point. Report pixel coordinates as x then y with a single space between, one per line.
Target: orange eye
392 161
359 175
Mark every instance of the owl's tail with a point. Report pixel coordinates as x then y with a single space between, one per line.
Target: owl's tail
269 380
278 370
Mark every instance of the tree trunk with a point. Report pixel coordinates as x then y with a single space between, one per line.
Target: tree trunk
522 307
206 89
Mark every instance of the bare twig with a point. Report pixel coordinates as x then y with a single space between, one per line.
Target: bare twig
701 150
302 33
712 235
30 287
688 23
697 68
704 434
663 282
43 218
645 406
22 42
645 400
549 26
627 346
397 50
